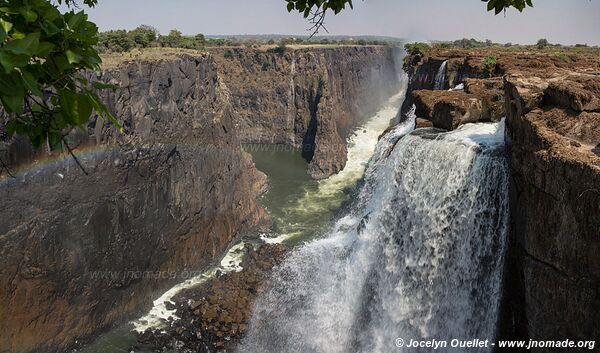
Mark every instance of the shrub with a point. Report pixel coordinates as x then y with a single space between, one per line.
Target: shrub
561 56
542 43
280 49
228 54
489 65
417 48
115 41
143 35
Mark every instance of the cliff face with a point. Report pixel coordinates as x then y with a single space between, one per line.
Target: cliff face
78 253
552 109
553 127
308 97
481 98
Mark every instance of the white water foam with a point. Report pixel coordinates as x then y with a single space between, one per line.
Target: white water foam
361 146
419 255
157 316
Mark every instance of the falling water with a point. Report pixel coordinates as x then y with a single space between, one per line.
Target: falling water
440 77
418 256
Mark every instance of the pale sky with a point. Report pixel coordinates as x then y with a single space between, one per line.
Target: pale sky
560 21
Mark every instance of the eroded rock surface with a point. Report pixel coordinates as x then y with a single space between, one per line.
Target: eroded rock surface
216 316
169 195
309 98
555 268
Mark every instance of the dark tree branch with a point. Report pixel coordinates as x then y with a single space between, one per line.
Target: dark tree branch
317 20
74 156
6 168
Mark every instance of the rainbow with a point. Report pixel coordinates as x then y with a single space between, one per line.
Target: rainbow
55 160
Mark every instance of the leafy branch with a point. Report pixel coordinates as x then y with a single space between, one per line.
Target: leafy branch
43 53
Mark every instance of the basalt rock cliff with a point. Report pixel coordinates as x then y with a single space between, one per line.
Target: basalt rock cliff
81 252
308 97
551 103
553 130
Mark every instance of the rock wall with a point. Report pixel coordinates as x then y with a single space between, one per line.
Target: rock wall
308 97
168 196
480 100
553 279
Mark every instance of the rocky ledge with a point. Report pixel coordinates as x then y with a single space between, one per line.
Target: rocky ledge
482 100
214 317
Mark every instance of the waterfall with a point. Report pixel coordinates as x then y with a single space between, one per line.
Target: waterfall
419 255
440 77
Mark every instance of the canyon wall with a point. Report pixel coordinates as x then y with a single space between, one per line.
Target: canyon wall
168 196
553 130
308 97
81 252
552 108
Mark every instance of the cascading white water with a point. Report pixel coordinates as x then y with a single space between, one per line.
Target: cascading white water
419 256
440 77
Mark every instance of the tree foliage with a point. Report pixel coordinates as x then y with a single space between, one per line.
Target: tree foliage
417 48
115 41
144 35
542 43
489 65
315 10
42 55
501 5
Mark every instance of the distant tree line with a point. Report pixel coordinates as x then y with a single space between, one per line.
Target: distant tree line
146 36
472 43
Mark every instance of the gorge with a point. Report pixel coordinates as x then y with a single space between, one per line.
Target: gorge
482 222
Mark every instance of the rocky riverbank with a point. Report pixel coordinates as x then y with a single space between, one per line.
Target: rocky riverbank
215 316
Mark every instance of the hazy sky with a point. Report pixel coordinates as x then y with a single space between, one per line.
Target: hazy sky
560 21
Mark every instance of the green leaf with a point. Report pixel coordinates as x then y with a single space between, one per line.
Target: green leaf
11 127
13 103
7 61
84 109
72 57
26 46
76 19
49 28
44 48
31 84
6 26
55 141
68 103
290 6
102 85
29 15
